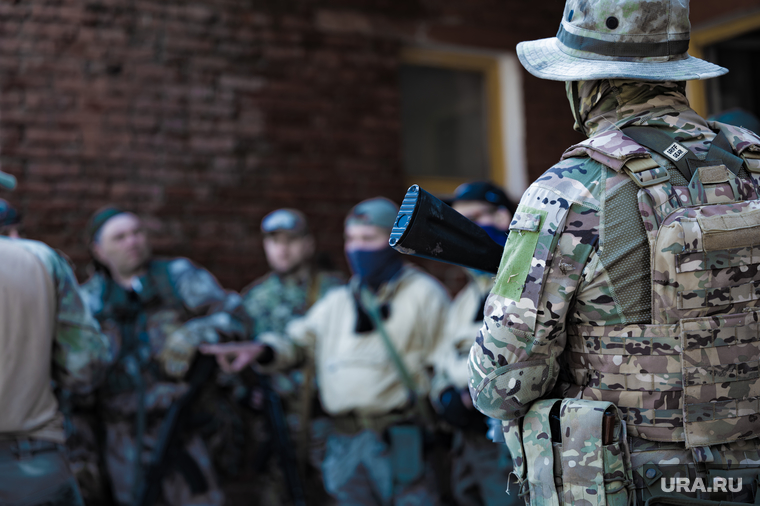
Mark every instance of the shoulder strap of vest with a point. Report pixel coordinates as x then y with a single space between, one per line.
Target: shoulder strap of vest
682 157
162 283
611 148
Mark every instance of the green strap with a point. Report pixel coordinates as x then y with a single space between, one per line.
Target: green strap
369 303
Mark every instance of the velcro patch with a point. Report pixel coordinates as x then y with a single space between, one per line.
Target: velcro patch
525 221
726 231
675 151
518 253
714 174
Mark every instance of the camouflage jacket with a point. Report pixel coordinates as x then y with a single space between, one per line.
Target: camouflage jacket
175 296
272 301
73 343
578 254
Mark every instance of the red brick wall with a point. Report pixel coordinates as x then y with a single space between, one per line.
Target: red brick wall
203 116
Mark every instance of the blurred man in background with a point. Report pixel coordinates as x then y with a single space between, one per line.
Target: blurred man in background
480 468
292 286
46 333
371 342
159 311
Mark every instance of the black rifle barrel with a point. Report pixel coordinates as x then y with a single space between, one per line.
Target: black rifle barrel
426 227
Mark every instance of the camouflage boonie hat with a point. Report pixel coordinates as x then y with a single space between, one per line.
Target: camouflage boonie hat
285 220
618 39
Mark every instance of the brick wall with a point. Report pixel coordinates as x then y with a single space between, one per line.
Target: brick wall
202 116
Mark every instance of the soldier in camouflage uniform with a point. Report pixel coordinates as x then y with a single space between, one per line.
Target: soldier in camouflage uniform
46 333
272 301
159 312
375 455
480 468
627 283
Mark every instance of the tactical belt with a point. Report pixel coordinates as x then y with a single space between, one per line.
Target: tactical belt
353 424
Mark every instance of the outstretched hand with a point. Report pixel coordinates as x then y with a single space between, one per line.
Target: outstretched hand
233 357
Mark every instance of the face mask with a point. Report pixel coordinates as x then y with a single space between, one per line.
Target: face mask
499 236
375 267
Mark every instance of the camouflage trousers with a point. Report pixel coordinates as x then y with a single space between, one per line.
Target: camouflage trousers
120 461
658 467
357 471
120 449
480 472
36 473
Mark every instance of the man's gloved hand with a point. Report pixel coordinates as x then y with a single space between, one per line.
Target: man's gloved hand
180 348
457 409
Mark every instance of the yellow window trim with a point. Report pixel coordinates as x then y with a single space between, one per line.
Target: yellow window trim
472 62
700 39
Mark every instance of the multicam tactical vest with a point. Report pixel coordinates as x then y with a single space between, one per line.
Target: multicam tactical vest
693 374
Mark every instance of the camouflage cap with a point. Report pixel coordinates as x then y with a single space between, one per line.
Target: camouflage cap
379 211
99 218
7 181
613 39
285 220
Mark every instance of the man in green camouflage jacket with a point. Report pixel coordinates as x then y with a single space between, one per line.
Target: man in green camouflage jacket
274 300
580 309
47 335
159 312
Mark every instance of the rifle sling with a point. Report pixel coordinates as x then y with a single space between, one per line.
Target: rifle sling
368 302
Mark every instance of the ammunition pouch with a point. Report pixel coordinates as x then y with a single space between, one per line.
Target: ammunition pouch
407 453
571 450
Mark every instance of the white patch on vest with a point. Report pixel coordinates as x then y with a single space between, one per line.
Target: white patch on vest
617 359
571 463
675 151
512 383
546 461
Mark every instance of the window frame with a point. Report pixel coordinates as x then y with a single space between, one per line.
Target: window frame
696 91
489 66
